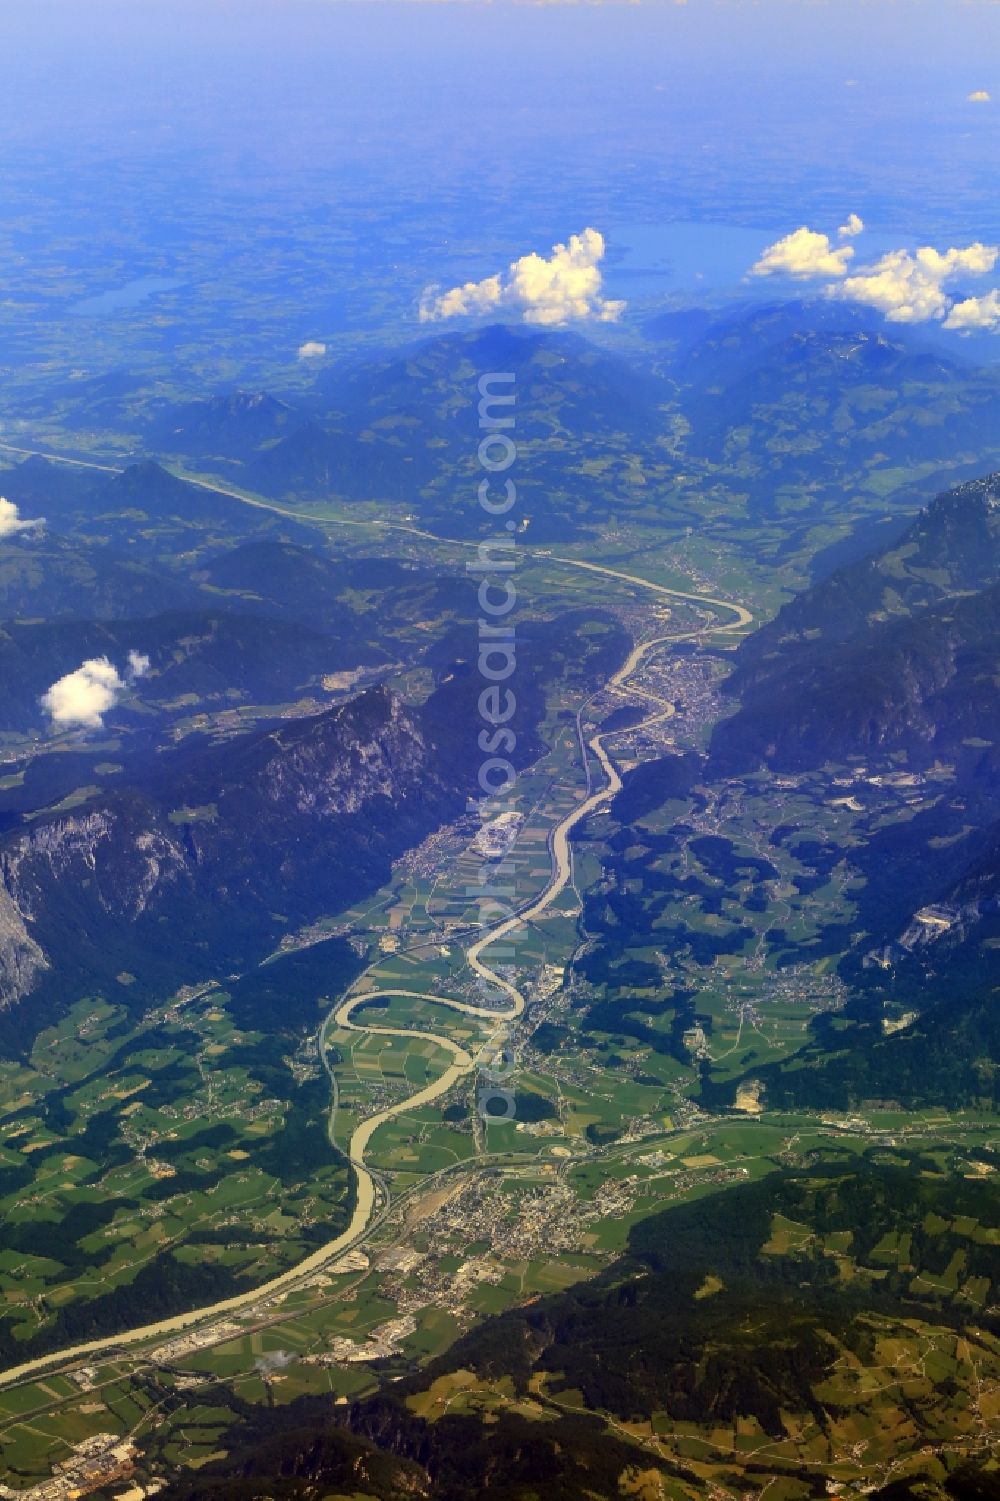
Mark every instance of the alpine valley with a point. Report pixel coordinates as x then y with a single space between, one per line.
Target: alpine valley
732 924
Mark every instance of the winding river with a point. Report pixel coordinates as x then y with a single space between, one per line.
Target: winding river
371 1197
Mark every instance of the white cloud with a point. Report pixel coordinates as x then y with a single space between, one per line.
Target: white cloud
82 698
11 522
906 286
899 288
547 290
979 96
976 259
910 288
802 254
312 349
975 314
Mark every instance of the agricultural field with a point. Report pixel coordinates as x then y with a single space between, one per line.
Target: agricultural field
138 1155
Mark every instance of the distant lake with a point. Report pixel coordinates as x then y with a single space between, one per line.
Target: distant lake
715 254
130 295
689 256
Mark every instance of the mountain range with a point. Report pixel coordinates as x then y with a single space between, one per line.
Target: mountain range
297 732
235 842
891 652
785 405
230 845
788 409
885 672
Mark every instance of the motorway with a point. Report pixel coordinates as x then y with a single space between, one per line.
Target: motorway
371 1195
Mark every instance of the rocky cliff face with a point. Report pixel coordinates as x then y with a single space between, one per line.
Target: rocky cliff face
105 852
21 958
201 871
365 750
